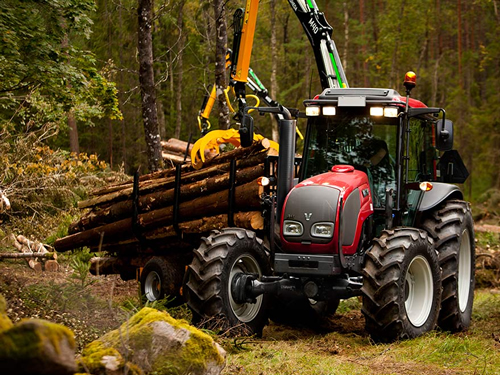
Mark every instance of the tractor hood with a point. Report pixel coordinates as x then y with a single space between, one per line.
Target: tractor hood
310 219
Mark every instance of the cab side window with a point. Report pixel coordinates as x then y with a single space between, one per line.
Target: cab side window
423 154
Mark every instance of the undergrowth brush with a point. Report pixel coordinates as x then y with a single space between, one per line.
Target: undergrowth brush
44 185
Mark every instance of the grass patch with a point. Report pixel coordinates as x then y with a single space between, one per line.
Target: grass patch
350 304
487 239
308 353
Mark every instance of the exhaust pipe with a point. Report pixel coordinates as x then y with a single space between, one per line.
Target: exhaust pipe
286 163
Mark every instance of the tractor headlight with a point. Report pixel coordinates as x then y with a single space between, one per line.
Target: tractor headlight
313 111
322 230
391 112
376 111
329 111
292 228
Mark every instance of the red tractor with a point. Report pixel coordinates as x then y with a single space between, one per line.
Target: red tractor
371 210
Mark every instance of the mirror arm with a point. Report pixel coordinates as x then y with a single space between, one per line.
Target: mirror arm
444 118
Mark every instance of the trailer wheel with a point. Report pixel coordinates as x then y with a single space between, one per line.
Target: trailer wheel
401 285
153 279
451 226
215 264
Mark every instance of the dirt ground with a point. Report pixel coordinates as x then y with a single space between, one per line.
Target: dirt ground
340 346
90 311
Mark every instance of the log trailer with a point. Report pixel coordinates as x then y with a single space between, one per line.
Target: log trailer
371 210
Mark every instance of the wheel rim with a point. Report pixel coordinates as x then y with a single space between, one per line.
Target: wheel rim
418 291
464 271
152 286
245 312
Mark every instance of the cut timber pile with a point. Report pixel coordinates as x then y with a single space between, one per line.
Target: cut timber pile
35 253
117 216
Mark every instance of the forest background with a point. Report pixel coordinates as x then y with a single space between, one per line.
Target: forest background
73 64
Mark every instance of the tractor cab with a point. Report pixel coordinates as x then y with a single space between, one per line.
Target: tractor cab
397 147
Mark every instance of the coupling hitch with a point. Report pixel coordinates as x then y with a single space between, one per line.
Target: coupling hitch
245 288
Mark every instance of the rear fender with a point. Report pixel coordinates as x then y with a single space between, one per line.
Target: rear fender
439 193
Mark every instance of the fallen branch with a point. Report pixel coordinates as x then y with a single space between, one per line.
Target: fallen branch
487 228
28 255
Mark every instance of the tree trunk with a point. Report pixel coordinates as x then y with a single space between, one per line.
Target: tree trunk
274 69
220 61
393 72
346 35
180 54
121 97
459 41
74 145
366 74
146 80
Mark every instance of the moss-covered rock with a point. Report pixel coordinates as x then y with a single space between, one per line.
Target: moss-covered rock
37 347
5 322
153 342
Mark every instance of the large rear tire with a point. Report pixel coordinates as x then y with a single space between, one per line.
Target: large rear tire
401 285
452 228
207 290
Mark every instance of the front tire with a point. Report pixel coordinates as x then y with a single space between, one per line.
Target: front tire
218 260
452 228
401 285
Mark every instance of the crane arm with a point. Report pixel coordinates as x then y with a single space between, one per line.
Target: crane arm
319 32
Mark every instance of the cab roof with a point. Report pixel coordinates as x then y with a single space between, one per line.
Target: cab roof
370 95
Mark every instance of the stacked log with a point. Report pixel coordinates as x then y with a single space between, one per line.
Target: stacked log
35 253
121 215
176 151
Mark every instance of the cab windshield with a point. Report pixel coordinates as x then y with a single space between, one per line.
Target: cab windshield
368 143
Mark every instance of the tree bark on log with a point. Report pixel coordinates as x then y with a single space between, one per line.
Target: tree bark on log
247 196
32 251
249 220
174 158
28 255
176 145
238 154
169 182
164 198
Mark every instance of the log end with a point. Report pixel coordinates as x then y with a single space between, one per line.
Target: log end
52 266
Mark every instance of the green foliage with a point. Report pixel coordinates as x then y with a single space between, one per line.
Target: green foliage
45 184
43 75
61 230
182 311
80 263
347 305
51 63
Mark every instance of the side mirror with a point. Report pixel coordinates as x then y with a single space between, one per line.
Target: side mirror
451 168
444 135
